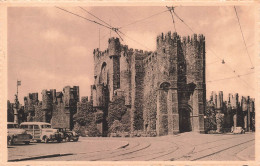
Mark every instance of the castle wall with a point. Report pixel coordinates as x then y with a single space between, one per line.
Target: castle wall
150 92
61 116
39 113
56 108
137 80
125 74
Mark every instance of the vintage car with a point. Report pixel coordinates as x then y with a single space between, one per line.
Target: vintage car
41 131
17 135
68 135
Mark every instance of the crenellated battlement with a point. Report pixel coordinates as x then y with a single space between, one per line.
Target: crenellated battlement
168 38
171 38
98 54
194 39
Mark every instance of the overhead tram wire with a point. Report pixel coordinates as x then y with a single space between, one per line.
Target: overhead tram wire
83 17
222 79
134 40
95 17
252 66
234 71
171 9
142 19
116 30
109 27
210 63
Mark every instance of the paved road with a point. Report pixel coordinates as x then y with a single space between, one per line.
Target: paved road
185 146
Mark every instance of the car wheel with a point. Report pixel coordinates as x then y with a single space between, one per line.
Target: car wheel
10 141
59 140
27 142
75 140
46 140
67 139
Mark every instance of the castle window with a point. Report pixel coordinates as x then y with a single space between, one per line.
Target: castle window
165 85
164 50
173 97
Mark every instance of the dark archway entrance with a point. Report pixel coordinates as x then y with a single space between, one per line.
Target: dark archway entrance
184 119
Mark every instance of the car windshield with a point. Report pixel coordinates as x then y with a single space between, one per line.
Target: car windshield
11 126
46 126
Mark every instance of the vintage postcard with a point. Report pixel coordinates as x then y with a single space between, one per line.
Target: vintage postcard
129 83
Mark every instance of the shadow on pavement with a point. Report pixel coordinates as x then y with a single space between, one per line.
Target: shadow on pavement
41 157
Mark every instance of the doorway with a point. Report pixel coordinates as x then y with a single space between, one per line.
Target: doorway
184 117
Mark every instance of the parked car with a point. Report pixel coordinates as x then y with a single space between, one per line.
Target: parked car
238 130
41 131
68 135
17 135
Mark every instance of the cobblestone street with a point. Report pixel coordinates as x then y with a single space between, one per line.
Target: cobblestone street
185 146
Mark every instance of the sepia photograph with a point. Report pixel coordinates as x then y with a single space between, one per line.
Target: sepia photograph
131 82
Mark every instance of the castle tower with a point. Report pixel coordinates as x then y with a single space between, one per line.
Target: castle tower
29 102
47 102
114 50
194 52
167 92
233 100
70 99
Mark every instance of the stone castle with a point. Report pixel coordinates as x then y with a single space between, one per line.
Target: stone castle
56 108
164 90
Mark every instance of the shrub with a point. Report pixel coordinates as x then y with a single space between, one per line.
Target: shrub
99 116
220 122
116 127
118 117
92 131
210 121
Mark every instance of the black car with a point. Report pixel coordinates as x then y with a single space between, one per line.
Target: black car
68 135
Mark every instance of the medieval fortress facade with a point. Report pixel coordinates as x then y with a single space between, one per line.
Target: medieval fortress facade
164 90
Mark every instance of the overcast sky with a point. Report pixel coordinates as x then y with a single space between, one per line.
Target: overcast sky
49 48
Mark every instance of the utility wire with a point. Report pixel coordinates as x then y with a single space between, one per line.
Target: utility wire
171 9
182 21
84 17
243 38
142 19
212 62
102 37
231 77
115 13
95 16
109 27
134 40
113 28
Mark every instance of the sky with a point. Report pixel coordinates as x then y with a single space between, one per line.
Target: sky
50 49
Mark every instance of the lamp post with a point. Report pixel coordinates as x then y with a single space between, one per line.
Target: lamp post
16 104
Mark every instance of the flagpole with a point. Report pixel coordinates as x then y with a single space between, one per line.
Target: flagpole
17 88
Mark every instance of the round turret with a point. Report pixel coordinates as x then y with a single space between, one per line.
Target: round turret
114 47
